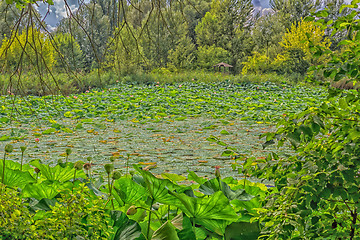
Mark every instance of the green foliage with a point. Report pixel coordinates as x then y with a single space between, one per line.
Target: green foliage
69 55
125 53
317 193
211 55
292 11
183 56
74 215
22 3
267 34
71 216
293 61
297 43
226 26
15 217
207 30
9 14
303 35
91 29
31 48
68 209
257 64
163 33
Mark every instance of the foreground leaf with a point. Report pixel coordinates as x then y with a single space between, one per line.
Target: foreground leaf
58 173
216 206
15 178
129 191
45 189
166 232
125 229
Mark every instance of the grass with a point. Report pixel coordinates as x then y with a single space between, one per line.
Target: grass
66 84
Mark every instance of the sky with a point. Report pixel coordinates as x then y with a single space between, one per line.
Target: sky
57 11
54 13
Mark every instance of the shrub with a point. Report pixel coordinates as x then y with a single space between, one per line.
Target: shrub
209 56
15 218
257 63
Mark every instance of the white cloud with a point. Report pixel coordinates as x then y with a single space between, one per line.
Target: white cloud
57 11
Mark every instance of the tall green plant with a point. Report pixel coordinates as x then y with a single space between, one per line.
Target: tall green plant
318 188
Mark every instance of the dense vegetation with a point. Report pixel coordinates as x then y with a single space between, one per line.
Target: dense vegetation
103 38
311 191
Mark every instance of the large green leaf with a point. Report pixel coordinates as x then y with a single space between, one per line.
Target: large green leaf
215 226
17 166
173 177
15 178
192 176
213 185
159 189
216 206
242 231
58 173
125 229
44 204
167 231
250 206
44 189
129 191
187 229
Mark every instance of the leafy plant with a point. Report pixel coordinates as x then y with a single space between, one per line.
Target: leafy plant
318 188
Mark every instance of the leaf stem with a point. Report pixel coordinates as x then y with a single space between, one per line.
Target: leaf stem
127 164
110 184
3 173
72 190
22 158
148 230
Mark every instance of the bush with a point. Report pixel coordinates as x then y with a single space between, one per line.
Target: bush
15 218
257 63
292 61
208 56
71 216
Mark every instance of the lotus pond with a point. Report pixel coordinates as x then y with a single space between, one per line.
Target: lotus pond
163 127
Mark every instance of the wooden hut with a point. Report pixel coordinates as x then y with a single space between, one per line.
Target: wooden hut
225 66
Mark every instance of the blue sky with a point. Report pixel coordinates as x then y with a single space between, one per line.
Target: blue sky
57 11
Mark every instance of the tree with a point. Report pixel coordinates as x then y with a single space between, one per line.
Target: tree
333 13
227 26
208 31
91 29
8 16
193 13
125 53
292 11
184 54
161 33
297 43
29 50
219 26
209 56
69 55
111 8
257 63
267 33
